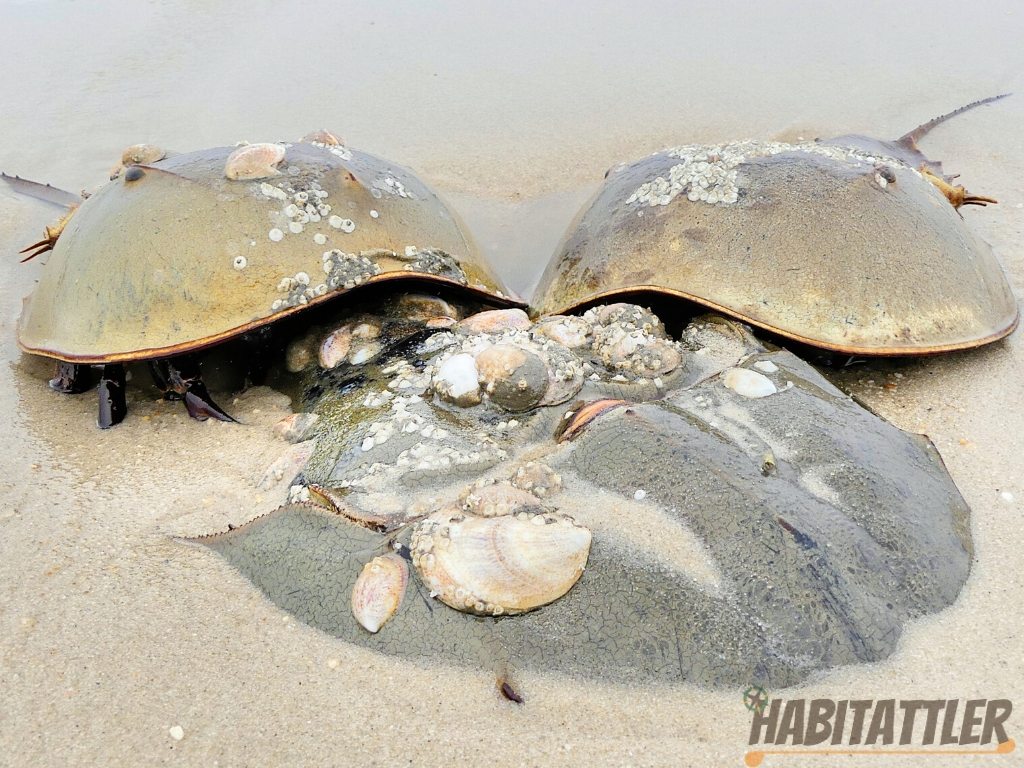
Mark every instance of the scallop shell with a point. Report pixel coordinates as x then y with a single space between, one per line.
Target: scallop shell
378 591
322 136
748 383
499 565
254 161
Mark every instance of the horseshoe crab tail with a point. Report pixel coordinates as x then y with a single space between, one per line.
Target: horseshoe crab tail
910 139
45 192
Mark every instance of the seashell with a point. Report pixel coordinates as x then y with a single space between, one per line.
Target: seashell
322 136
379 590
766 366
297 427
657 358
748 383
365 330
138 154
440 322
254 161
495 499
569 331
565 376
499 565
335 347
514 378
300 353
457 381
422 308
364 353
539 479
583 414
629 316
495 321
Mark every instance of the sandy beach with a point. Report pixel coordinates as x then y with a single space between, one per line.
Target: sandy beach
114 632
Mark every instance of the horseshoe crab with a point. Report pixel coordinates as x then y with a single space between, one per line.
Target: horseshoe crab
853 245
185 251
703 508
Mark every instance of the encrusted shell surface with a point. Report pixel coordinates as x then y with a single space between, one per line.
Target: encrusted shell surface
238 261
378 591
514 378
254 161
539 479
568 330
495 499
499 565
799 239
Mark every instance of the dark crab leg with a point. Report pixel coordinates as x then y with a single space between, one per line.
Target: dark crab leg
184 379
159 371
113 406
71 379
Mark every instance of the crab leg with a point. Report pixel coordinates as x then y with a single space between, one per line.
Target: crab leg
71 379
113 406
184 379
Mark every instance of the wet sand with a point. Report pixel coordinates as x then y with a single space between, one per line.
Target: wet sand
112 630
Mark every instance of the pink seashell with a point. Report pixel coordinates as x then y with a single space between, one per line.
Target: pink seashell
378 591
254 161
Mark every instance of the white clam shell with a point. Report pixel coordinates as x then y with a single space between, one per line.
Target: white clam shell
748 383
457 380
378 591
499 565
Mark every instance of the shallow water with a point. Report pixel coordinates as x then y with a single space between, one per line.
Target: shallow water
111 631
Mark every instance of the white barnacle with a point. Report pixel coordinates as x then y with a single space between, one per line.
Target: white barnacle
240 262
276 235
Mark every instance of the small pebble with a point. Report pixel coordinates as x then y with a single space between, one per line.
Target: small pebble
333 663
640 494
1007 497
177 732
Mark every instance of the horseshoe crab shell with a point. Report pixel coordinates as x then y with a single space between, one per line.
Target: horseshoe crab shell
175 255
836 247
731 538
